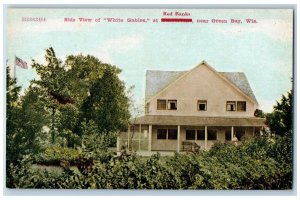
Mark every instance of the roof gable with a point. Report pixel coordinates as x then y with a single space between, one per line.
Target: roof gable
240 80
157 81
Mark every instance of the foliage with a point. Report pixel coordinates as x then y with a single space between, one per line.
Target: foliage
259 113
22 123
107 104
252 165
92 138
72 114
53 155
280 120
13 144
76 91
97 144
31 120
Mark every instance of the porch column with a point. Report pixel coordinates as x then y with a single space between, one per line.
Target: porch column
118 143
178 138
140 133
205 146
232 131
150 138
128 132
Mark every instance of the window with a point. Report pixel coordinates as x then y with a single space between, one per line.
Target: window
228 135
200 134
147 108
172 104
145 133
172 134
161 134
230 106
211 135
161 104
190 135
202 104
241 106
239 134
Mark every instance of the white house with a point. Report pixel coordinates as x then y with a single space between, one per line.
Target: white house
199 107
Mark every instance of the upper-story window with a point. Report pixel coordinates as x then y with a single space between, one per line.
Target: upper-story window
172 104
163 104
241 106
147 108
202 105
236 106
231 106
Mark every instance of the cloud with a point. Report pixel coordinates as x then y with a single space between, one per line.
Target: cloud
103 55
105 50
122 44
274 28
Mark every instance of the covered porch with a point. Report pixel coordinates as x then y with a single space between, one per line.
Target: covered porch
172 133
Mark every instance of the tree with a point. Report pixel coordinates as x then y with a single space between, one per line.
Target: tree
23 121
62 88
80 90
107 104
259 113
51 87
12 118
280 120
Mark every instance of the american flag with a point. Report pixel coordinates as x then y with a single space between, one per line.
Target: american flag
21 63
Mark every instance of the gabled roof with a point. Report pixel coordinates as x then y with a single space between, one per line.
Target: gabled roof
156 81
240 80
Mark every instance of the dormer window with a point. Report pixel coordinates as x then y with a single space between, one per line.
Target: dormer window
231 106
172 104
202 105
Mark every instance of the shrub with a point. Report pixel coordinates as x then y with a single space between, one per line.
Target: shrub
53 155
255 164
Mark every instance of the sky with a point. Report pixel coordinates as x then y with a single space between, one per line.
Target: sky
262 50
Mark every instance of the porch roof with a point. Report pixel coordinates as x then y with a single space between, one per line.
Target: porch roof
198 121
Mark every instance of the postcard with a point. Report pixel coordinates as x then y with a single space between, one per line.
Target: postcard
149 98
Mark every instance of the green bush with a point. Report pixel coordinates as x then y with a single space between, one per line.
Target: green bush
255 164
53 155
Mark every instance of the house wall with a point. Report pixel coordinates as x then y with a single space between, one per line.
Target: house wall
171 145
164 144
210 143
140 141
202 84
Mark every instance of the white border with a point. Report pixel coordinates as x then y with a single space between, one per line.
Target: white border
275 195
